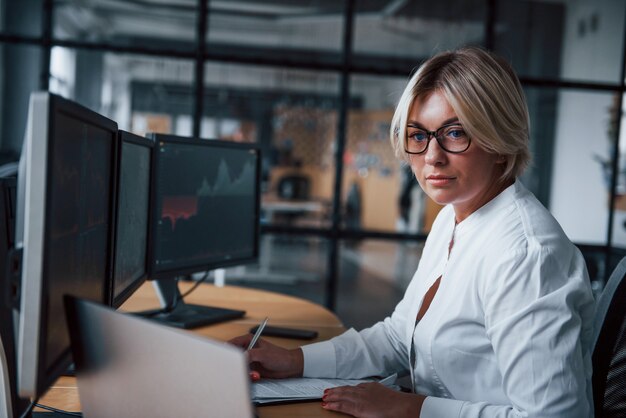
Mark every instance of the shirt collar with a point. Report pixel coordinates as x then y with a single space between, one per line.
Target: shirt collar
503 199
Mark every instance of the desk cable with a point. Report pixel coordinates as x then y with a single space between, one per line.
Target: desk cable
194 287
178 297
34 404
59 411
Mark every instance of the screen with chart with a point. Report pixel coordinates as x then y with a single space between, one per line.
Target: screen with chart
206 204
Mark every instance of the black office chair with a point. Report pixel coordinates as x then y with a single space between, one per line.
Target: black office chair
294 187
609 354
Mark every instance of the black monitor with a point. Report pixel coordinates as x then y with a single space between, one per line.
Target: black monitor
132 216
64 226
206 216
10 404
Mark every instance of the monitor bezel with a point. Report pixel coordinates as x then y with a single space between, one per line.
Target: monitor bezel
158 274
33 376
131 138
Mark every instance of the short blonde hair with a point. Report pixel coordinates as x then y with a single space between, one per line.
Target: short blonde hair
485 94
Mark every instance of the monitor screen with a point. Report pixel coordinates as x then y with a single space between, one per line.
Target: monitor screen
206 195
132 215
64 227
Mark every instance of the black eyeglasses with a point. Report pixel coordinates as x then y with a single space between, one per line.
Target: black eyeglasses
452 138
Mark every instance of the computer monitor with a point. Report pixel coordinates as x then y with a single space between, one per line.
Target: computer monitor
64 227
10 404
206 205
132 216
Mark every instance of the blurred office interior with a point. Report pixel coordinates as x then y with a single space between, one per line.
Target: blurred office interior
314 84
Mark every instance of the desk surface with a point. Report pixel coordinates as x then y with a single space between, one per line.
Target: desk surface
282 310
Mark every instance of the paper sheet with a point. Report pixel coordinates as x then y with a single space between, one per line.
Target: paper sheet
277 390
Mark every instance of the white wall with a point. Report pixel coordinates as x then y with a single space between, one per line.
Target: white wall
116 76
578 199
579 196
63 71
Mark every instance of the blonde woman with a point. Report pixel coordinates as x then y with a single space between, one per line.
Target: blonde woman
496 321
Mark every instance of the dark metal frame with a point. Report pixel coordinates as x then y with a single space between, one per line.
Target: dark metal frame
349 64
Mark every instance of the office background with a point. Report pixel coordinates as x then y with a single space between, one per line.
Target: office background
314 84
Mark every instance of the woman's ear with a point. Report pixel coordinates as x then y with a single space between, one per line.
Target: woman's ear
501 159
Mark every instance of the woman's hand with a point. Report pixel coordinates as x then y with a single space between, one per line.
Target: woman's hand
269 360
372 400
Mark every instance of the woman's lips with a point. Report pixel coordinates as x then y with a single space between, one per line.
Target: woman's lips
437 180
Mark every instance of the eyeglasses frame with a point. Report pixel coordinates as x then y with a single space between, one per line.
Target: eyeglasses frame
433 134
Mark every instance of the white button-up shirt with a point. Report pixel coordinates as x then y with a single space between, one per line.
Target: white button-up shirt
508 331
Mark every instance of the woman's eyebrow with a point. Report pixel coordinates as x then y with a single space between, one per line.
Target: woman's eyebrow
415 124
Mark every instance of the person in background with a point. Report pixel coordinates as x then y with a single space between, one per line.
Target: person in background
411 203
496 321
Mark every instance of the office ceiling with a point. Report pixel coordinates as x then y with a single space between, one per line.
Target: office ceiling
176 18
390 28
281 9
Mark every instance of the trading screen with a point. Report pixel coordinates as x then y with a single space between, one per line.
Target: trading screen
206 203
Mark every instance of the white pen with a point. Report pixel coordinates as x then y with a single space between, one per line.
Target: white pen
257 334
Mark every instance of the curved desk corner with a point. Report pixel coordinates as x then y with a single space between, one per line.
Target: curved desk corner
283 310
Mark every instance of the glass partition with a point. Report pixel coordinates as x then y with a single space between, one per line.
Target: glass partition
573 40
379 190
373 275
310 30
21 18
141 93
272 74
20 74
415 29
292 116
579 191
619 220
289 264
152 24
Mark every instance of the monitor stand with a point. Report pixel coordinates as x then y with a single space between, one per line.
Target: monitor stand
175 312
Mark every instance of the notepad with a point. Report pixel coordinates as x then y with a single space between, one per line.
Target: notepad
268 391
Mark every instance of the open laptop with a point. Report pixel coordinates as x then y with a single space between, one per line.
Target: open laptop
129 367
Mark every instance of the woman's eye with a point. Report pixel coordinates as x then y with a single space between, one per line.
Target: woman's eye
456 133
418 136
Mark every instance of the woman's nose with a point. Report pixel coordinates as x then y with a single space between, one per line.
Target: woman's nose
434 153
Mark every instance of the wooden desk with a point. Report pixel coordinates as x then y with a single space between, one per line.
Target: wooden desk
283 311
